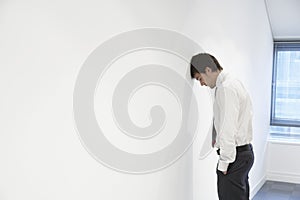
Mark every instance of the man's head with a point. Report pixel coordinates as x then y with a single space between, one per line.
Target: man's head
205 68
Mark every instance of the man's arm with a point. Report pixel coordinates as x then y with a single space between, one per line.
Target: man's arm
228 103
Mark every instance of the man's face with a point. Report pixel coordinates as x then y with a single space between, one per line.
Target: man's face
207 78
199 78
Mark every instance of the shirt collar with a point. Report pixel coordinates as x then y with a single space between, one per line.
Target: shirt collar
220 78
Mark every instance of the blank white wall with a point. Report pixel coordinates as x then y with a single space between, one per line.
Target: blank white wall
44 43
283 163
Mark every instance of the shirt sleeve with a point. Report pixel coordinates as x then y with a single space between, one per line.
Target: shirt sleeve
228 103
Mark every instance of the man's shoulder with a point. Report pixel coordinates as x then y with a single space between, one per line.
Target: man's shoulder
230 80
231 83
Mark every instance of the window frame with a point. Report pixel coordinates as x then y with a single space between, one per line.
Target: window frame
288 46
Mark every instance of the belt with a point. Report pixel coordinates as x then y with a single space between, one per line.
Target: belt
246 147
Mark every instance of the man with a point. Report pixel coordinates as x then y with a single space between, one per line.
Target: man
232 111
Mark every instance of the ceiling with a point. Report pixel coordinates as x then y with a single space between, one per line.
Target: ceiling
284 16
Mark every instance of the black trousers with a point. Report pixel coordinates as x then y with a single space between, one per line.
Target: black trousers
235 185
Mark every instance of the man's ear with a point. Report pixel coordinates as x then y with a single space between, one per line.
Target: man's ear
207 69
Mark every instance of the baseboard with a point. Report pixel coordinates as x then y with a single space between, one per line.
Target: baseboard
257 187
283 177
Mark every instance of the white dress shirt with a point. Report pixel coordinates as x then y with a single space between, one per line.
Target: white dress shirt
232 118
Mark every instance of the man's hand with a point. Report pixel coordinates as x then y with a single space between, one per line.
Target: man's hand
225 172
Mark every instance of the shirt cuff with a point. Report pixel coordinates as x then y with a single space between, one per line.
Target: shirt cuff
222 166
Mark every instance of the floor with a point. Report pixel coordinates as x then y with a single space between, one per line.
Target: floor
278 191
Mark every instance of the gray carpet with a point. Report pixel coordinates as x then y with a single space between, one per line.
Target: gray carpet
278 191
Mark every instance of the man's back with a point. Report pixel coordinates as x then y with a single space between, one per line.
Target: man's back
233 99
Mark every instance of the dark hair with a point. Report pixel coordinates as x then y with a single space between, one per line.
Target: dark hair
193 71
202 60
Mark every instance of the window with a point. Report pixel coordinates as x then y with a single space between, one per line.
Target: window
285 111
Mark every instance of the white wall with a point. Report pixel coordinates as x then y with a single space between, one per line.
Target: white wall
43 45
282 162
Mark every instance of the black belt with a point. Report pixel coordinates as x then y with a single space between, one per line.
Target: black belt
246 147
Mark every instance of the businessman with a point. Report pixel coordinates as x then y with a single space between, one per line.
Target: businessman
232 111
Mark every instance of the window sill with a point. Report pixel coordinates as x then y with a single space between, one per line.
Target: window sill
284 140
